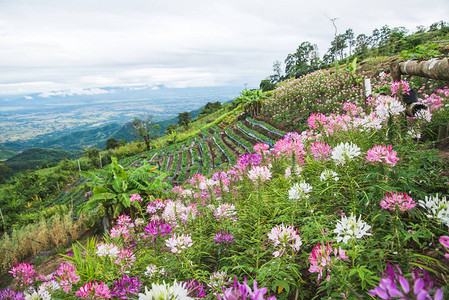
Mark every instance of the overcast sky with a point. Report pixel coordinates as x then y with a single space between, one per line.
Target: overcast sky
76 44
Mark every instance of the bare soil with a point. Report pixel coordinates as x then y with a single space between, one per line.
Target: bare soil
233 150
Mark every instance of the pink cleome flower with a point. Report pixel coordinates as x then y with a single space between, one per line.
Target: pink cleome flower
283 237
135 197
400 200
259 173
67 276
444 240
320 258
96 290
24 274
383 154
402 86
260 148
320 150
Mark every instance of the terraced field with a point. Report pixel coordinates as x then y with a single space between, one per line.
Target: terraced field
203 154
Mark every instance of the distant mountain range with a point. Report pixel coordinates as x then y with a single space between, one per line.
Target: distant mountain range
76 119
53 147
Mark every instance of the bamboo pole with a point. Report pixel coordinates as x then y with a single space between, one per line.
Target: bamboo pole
435 68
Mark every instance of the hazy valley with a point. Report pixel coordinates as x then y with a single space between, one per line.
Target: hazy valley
39 120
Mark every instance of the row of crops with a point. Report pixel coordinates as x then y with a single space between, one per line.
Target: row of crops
180 161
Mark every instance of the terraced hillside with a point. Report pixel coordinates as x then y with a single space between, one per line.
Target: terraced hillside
203 154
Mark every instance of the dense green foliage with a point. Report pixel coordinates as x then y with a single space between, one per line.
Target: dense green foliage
36 158
346 46
209 108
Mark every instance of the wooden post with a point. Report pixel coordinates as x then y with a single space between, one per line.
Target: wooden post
395 71
3 220
442 133
100 159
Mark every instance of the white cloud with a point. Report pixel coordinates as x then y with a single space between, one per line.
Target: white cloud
71 92
60 45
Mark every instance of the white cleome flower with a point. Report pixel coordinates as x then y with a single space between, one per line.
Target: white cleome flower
329 174
165 292
388 106
344 152
437 208
110 250
351 228
299 190
424 114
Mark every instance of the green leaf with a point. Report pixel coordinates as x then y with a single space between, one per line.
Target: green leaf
99 190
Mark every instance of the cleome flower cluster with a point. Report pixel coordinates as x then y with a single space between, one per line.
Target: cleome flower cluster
304 218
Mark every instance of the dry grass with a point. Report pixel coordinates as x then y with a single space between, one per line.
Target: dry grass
55 232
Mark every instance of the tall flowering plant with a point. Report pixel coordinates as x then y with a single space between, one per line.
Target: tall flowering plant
66 275
383 154
24 275
243 291
393 285
95 290
321 261
284 238
394 200
350 229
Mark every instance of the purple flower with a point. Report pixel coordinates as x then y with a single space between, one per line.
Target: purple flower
10 295
250 159
195 288
154 206
126 287
394 284
159 227
223 237
219 175
242 291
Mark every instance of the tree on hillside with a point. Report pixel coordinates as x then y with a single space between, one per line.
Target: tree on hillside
184 119
251 101
338 45
299 63
209 108
266 85
270 82
4 171
111 143
349 35
170 129
361 46
438 26
277 76
145 129
374 38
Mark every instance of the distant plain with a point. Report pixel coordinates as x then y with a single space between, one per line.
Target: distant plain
24 117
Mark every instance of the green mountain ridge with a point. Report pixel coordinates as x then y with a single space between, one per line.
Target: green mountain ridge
35 158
